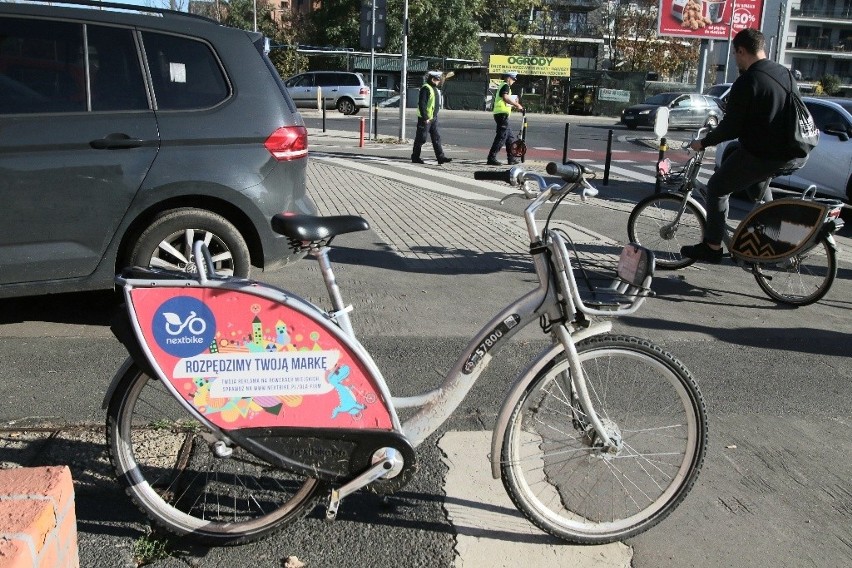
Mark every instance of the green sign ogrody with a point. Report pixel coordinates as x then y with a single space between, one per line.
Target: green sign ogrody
530 65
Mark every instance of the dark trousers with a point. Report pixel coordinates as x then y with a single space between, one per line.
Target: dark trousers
504 137
739 171
420 138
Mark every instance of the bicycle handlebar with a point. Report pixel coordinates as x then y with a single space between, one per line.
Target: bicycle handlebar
504 176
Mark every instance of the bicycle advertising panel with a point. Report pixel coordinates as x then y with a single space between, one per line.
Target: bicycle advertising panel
243 361
778 229
708 19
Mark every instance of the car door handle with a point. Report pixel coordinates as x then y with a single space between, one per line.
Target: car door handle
115 141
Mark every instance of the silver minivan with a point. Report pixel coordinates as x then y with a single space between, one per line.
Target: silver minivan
345 91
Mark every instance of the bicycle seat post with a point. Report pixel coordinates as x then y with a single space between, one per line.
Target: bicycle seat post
341 311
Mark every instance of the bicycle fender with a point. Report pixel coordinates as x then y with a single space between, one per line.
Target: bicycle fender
521 383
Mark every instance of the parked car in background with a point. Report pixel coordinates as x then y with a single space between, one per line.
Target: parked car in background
686 110
127 134
829 165
720 92
345 91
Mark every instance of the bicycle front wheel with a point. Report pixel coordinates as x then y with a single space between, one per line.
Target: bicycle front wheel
558 474
653 225
802 279
188 482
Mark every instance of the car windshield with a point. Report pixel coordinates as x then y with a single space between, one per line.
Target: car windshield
662 99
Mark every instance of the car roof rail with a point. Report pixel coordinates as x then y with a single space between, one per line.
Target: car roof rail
127 8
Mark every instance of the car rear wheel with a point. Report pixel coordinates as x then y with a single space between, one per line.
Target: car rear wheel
346 106
712 122
167 243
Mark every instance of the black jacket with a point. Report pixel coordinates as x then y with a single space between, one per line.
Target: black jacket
755 111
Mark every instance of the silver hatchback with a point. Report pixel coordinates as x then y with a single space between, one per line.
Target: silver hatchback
345 91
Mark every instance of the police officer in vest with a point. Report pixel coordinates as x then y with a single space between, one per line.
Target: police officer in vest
503 105
428 105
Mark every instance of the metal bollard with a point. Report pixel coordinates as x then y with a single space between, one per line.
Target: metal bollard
565 144
361 133
659 181
376 122
323 118
608 158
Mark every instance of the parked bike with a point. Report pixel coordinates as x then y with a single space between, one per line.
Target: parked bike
226 432
787 244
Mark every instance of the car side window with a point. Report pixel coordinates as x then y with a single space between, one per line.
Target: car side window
116 75
41 67
697 101
681 102
349 80
185 73
327 79
301 81
824 115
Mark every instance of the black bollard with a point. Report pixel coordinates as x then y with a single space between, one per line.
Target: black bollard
608 158
376 122
323 117
565 144
659 181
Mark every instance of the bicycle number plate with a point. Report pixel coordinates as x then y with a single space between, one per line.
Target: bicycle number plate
244 361
634 264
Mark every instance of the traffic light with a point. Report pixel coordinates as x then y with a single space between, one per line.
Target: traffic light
366 24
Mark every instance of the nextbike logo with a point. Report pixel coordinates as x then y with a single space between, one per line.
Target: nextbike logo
184 326
526 60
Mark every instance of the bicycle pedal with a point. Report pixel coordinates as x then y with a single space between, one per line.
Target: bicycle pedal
333 505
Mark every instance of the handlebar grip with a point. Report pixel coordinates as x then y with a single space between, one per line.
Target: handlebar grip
570 172
491 175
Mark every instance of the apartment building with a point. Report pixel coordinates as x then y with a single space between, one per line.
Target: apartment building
817 40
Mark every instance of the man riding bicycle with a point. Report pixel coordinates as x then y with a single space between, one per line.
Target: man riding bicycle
756 115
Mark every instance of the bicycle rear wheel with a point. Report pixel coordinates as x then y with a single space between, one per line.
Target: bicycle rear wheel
564 482
651 224
802 279
188 483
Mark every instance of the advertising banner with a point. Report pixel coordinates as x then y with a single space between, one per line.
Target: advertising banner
708 19
530 65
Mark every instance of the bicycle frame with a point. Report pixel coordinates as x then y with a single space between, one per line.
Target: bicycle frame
152 294
773 230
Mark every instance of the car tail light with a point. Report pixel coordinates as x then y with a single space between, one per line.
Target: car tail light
365 91
288 143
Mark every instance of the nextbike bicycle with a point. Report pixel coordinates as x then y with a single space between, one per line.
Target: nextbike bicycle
226 435
787 244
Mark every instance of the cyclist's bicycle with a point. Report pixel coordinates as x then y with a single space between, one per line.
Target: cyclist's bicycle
228 431
787 244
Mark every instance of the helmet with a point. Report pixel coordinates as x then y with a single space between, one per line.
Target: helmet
434 74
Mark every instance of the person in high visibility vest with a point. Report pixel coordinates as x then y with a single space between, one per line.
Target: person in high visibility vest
504 102
428 105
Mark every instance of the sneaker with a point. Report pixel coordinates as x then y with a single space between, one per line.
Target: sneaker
417 161
702 251
494 162
444 160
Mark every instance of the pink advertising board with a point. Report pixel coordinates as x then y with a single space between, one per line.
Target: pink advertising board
708 19
244 361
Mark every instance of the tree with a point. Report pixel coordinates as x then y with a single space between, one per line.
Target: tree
830 84
445 28
636 46
511 20
240 14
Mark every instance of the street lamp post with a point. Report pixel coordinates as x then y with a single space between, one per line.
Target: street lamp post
403 82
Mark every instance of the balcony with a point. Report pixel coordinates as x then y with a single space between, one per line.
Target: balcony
839 13
821 44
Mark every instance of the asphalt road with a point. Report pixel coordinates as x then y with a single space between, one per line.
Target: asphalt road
775 490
